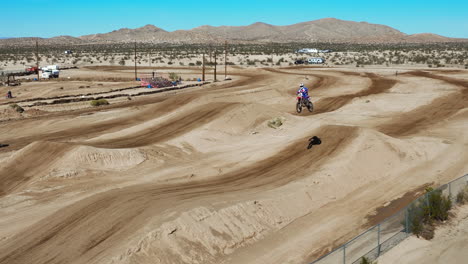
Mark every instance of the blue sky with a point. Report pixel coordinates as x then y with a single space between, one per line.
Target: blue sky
26 18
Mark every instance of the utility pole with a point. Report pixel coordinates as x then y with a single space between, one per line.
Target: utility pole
37 59
210 53
203 67
225 60
215 66
149 58
135 63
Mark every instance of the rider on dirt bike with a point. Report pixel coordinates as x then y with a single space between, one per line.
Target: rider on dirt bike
303 99
303 92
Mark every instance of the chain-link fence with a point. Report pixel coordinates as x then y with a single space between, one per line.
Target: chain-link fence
387 234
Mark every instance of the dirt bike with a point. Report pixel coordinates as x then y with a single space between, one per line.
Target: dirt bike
303 102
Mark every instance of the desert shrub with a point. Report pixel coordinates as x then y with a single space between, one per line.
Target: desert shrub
365 260
191 64
99 102
276 122
250 62
462 196
439 205
17 108
173 76
423 213
415 212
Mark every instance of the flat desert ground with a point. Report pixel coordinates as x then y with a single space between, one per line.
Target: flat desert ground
196 175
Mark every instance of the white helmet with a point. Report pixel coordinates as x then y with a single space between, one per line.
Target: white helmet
302 85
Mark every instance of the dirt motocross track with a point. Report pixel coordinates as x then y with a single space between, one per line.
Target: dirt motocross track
198 176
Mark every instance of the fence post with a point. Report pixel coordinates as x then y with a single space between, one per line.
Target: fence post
426 197
406 220
344 254
378 240
450 190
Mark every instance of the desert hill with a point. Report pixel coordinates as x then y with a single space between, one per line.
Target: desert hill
322 30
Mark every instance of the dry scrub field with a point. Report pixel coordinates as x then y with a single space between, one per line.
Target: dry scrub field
196 175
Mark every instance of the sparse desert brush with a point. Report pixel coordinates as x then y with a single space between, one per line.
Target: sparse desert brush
424 213
462 196
435 54
365 260
439 206
17 108
276 122
99 102
173 76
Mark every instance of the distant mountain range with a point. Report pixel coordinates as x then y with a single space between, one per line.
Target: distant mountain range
322 30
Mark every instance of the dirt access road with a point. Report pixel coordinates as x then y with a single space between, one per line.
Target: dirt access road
198 176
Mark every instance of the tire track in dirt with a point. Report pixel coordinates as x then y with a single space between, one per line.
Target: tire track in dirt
378 85
39 156
169 129
424 116
29 163
408 124
93 129
248 78
329 104
48 241
323 81
167 104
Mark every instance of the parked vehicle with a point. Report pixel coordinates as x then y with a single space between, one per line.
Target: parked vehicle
50 74
32 70
51 67
51 71
300 62
307 51
316 60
